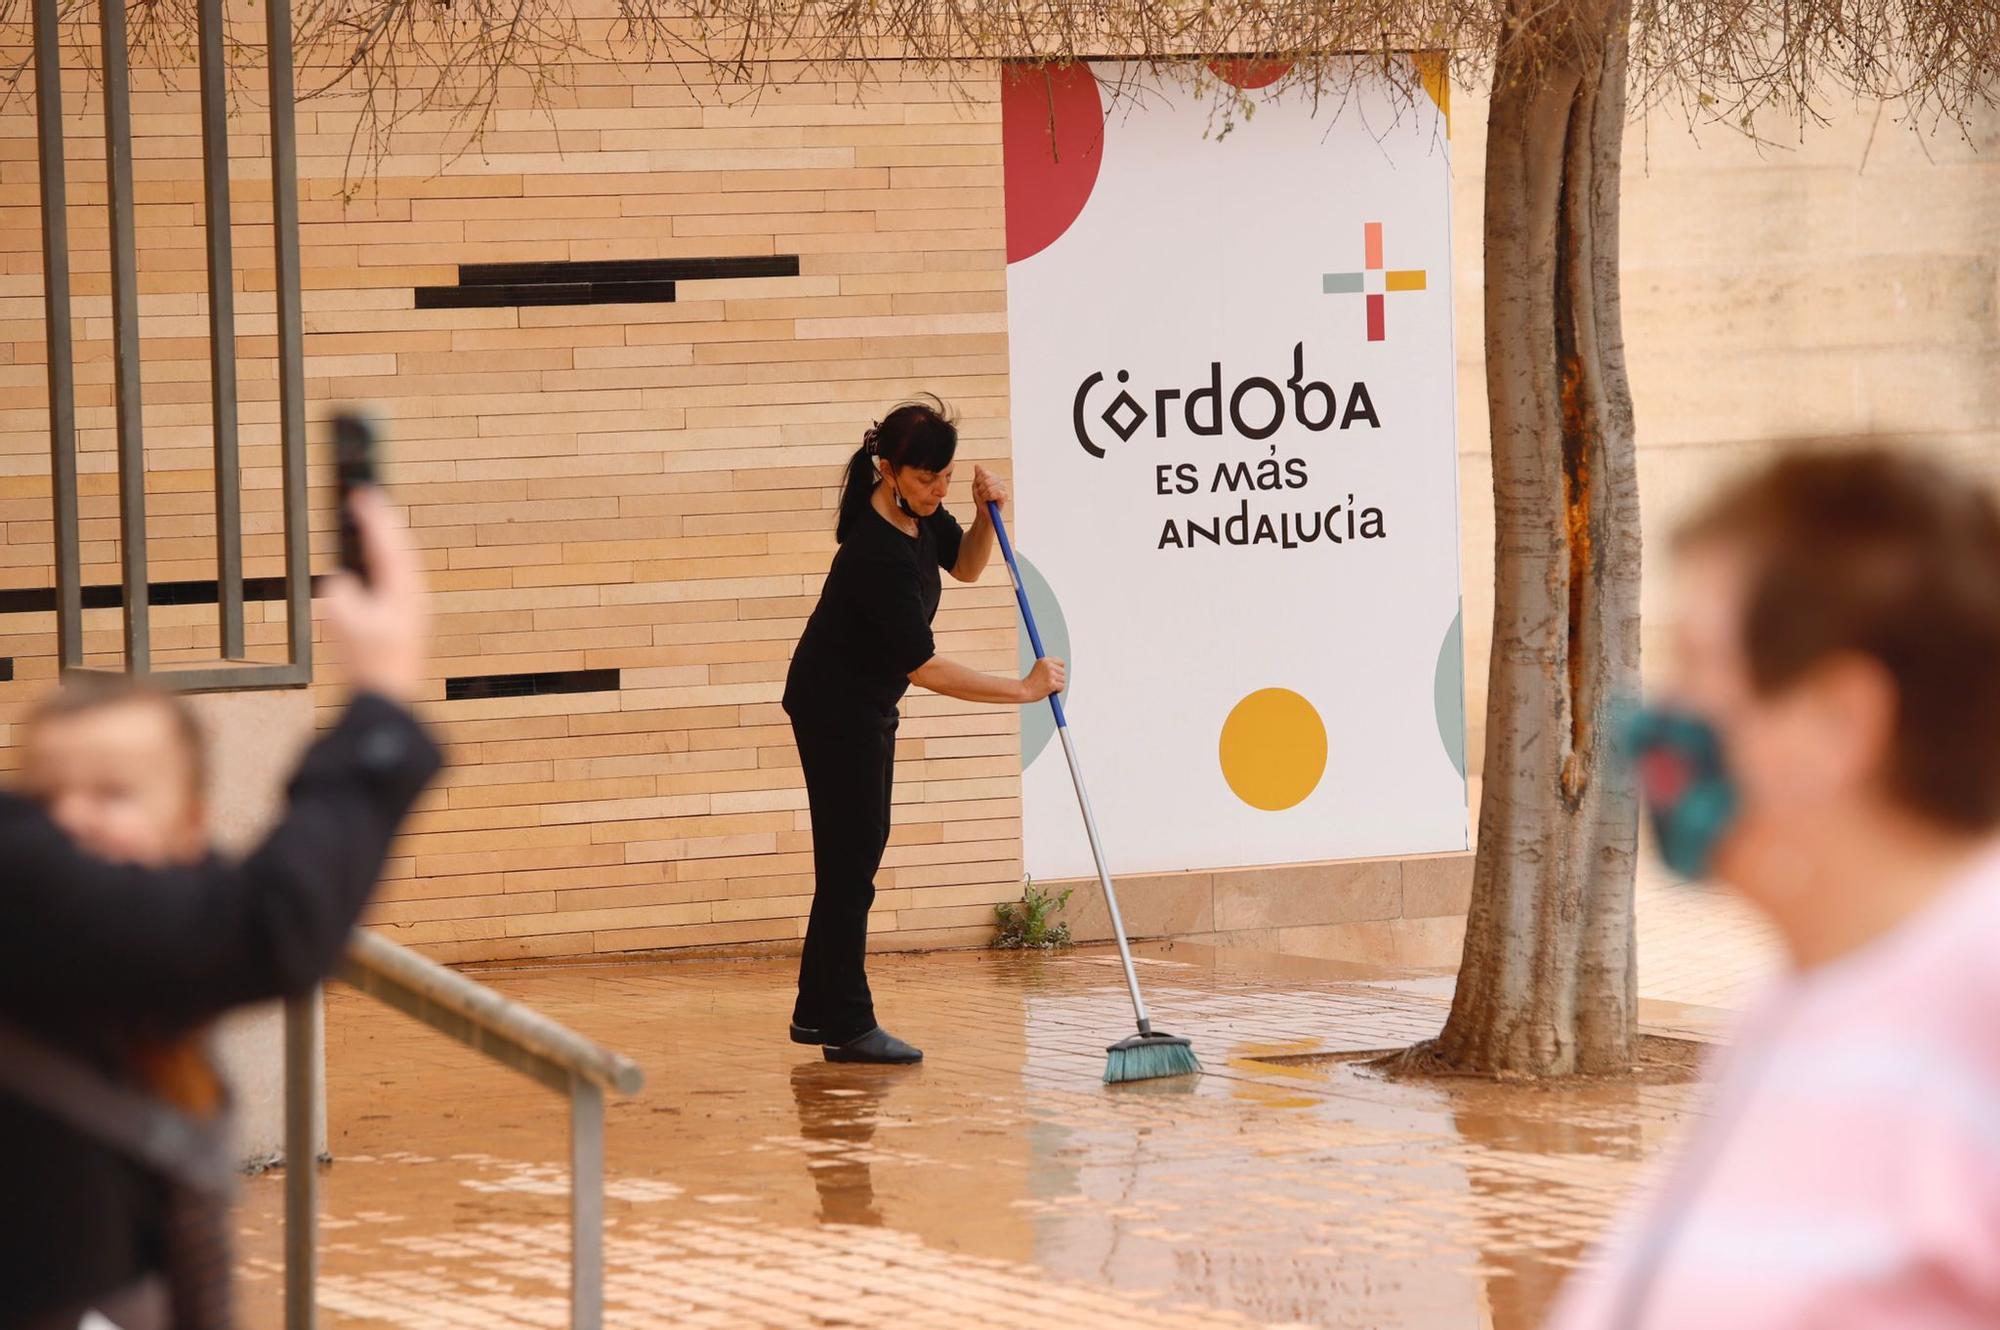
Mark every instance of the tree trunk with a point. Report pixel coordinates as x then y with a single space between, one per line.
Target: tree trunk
1547 984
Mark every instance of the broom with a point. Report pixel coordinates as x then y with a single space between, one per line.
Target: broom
1149 1054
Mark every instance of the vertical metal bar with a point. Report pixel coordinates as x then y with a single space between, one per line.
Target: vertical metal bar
125 336
221 330
56 317
301 1160
291 335
586 1204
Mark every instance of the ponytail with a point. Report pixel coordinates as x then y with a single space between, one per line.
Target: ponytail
856 489
921 434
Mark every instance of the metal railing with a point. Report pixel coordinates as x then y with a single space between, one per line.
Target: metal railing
233 667
505 1031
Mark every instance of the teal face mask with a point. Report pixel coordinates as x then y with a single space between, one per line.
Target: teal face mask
1685 785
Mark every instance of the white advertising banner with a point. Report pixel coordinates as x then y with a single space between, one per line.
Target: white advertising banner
1235 453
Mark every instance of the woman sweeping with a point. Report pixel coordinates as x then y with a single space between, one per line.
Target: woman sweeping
868 640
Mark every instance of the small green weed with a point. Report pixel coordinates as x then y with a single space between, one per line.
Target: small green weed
1026 924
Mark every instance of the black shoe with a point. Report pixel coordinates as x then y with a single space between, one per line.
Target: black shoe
802 1034
878 1045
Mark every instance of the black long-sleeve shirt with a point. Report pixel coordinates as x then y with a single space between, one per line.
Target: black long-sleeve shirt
872 627
86 946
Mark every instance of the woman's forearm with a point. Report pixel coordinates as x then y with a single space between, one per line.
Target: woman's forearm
967 684
975 548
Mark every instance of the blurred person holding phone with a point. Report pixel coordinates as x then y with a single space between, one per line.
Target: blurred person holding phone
120 766
1830 750
89 946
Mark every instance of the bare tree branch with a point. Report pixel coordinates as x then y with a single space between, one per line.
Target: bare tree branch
1726 63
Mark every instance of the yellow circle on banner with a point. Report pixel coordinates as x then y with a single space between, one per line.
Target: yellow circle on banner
1273 749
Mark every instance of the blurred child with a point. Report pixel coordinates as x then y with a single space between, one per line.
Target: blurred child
1830 751
120 767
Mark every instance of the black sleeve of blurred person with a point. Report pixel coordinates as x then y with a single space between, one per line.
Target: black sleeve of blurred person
79 936
86 947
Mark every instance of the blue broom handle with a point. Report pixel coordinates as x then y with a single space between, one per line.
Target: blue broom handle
1021 598
1076 779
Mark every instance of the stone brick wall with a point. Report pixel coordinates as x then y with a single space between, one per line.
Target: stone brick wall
1841 283
640 487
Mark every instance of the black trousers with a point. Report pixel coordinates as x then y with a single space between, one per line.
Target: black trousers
850 764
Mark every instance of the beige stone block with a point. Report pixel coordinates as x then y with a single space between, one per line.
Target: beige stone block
1308 894
1778 393
1694 215
1370 942
925 938
689 935
1401 943
1162 905
1937 208
1893 301
1859 138
1938 389
1431 943
1245 939
1439 886
255 740
745 159
1672 482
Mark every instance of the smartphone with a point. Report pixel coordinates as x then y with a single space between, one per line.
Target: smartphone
354 440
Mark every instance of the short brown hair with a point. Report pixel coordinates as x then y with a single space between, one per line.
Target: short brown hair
88 693
1896 557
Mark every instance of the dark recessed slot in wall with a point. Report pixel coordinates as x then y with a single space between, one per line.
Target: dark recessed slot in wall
469 687
629 270
593 281
6 669
545 293
42 600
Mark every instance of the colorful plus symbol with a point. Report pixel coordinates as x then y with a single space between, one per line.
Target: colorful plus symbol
1372 281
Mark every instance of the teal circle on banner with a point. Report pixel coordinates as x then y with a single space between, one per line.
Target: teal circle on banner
1038 721
1448 692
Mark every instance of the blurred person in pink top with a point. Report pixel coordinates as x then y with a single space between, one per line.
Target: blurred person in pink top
1830 751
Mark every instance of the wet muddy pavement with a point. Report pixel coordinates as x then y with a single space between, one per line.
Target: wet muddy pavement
999 1184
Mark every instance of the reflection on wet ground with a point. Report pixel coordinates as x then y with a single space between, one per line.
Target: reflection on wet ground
838 1106
999 1184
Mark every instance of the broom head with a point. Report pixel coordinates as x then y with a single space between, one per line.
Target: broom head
1147 1057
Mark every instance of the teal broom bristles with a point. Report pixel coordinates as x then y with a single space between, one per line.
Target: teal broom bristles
1147 1057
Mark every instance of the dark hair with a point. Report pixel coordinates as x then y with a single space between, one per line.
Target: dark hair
88 694
1897 558
918 433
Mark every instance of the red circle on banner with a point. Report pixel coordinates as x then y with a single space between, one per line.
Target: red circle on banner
1249 75
1052 138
